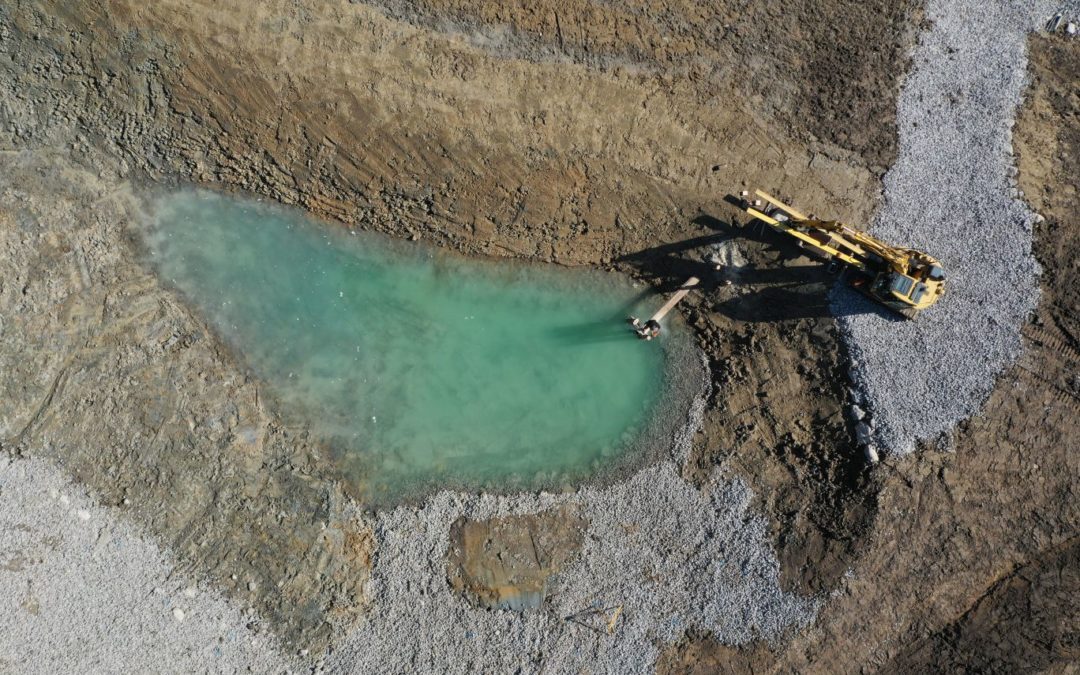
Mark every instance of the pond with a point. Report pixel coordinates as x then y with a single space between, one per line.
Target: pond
420 368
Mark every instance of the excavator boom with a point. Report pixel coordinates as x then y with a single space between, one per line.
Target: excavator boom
905 280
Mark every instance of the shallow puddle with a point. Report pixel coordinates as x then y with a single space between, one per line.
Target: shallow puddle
419 368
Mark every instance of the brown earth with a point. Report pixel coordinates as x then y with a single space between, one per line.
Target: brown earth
412 132
780 398
972 562
824 70
106 372
506 562
1047 138
462 125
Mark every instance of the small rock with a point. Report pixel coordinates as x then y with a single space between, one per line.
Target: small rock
178 614
252 585
863 433
1070 28
83 514
871 454
190 592
857 413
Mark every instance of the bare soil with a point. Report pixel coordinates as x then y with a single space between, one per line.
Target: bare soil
506 562
828 71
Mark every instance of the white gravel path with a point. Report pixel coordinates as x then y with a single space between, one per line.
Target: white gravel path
951 193
82 592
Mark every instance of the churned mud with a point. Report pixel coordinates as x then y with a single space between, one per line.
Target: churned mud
971 560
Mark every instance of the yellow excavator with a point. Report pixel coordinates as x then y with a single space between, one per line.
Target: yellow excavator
905 280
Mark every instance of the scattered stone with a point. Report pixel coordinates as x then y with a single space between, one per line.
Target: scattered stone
672 554
863 433
101 608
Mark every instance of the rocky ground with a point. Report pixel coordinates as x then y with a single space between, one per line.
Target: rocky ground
577 133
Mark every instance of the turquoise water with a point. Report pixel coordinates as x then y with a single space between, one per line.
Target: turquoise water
417 368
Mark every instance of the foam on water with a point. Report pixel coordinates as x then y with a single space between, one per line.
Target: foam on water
419 368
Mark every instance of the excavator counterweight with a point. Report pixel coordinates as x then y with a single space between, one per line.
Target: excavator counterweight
903 279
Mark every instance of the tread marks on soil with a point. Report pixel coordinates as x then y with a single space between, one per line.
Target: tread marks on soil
15 442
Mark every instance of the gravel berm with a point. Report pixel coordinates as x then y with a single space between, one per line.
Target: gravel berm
952 193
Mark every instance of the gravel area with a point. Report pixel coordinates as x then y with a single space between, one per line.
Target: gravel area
672 556
952 193
82 592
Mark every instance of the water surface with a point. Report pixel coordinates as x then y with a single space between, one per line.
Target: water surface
418 368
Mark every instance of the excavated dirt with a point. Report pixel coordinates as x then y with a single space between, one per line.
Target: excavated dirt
506 562
107 373
578 133
1048 150
972 563
1028 620
825 79
574 133
781 397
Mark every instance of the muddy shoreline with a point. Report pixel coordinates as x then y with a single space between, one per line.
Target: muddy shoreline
180 414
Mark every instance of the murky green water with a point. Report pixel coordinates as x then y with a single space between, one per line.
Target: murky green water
416 367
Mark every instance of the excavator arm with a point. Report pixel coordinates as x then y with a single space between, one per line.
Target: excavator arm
906 280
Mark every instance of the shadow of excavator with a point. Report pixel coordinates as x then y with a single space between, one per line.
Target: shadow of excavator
761 292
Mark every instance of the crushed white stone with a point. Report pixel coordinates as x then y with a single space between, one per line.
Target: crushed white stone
950 194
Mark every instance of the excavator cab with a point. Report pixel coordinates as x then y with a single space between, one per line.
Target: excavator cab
908 293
